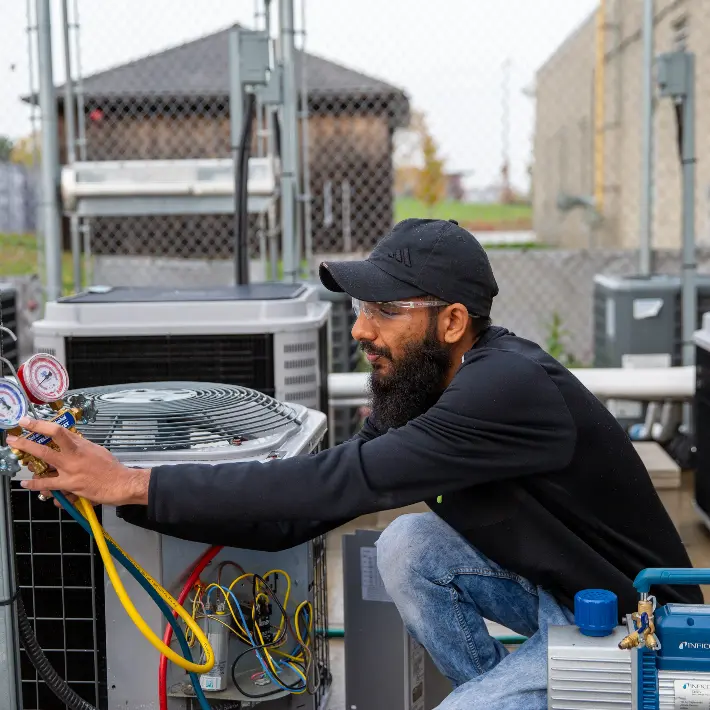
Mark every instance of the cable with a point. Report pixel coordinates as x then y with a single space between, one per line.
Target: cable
44 668
200 565
228 563
86 517
296 689
137 574
267 672
101 537
11 600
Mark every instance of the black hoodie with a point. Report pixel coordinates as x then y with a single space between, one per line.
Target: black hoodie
516 455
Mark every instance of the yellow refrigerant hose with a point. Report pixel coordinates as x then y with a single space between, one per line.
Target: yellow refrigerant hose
101 536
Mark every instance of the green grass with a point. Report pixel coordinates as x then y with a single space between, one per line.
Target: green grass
471 214
19 257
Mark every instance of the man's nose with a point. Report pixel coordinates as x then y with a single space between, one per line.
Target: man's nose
363 328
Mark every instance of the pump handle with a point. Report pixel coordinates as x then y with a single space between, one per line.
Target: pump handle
665 575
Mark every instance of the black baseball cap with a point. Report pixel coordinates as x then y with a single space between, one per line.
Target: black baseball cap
419 257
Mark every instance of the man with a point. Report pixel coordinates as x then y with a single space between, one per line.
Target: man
535 489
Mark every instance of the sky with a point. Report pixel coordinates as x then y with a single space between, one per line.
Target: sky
448 55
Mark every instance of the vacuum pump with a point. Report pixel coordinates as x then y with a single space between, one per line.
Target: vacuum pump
659 659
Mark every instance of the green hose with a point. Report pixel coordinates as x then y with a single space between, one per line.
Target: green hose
511 640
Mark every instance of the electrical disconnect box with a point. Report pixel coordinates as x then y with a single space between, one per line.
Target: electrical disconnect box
385 668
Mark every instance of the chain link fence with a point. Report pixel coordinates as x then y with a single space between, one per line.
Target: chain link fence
387 130
524 127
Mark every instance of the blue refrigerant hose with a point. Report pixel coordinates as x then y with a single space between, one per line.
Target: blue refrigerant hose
164 608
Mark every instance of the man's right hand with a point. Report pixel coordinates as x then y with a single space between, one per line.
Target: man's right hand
50 473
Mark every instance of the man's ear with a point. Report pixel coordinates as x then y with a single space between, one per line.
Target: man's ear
454 323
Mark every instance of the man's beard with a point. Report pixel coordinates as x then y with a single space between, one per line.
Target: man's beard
413 384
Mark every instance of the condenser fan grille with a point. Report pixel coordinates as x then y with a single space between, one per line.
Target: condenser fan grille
183 416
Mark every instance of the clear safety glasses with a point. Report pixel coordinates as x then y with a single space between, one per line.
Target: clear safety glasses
391 309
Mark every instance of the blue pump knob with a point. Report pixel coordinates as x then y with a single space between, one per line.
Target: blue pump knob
596 612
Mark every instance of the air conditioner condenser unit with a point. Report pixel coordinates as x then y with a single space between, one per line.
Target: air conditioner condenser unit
272 337
78 618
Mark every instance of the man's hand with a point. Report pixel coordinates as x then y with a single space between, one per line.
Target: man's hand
82 468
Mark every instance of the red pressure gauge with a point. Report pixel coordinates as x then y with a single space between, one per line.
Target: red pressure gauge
44 378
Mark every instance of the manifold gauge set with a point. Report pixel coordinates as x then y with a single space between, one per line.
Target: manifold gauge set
41 380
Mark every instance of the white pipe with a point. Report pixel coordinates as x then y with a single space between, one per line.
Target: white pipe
649 384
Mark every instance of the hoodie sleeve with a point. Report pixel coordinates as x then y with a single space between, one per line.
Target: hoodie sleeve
265 536
502 417
268 536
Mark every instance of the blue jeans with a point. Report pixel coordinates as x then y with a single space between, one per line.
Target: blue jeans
444 589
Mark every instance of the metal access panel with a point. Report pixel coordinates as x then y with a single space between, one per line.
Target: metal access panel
641 315
702 419
385 668
130 661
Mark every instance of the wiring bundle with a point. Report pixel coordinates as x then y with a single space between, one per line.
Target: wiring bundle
250 621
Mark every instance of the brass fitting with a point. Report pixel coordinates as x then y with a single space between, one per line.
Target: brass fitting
643 634
630 641
39 467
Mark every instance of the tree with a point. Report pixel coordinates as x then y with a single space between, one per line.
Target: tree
431 182
6 146
23 152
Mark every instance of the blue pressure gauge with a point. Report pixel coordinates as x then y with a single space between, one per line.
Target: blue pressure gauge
13 405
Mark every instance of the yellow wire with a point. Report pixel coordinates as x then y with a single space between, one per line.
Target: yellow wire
265 651
219 621
258 631
189 636
101 536
299 659
310 621
243 634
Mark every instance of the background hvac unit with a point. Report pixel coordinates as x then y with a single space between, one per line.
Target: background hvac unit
78 619
702 420
641 315
138 187
272 337
637 323
385 668
345 357
9 348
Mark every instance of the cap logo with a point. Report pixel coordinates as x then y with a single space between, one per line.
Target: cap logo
401 255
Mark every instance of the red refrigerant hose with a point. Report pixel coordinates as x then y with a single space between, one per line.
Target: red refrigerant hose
200 565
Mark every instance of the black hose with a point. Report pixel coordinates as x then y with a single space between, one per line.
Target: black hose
47 673
44 668
277 134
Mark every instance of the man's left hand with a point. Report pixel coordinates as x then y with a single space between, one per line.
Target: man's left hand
82 468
